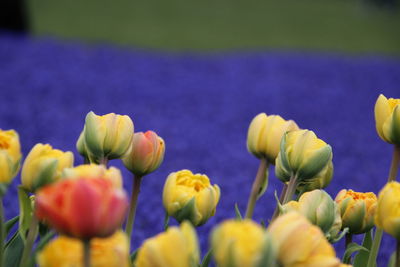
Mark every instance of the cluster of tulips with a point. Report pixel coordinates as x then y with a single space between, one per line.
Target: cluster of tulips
81 215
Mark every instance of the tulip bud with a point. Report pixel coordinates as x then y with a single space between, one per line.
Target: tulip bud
317 206
44 165
108 136
387 118
10 155
189 196
112 251
146 154
302 155
177 247
387 213
357 210
94 171
334 233
242 244
299 243
265 134
82 208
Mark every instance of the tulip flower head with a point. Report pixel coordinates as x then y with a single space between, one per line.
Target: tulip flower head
301 244
146 154
177 247
65 251
10 155
304 156
43 166
94 171
357 210
82 208
388 213
265 134
189 196
108 136
387 118
242 244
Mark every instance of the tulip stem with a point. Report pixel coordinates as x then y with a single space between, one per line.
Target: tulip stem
2 231
281 197
398 253
256 187
291 189
394 167
132 209
86 253
30 240
348 239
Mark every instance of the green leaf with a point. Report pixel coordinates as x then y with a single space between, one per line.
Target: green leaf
3 189
264 184
166 221
237 212
13 250
25 206
361 259
133 255
206 259
392 261
352 248
10 223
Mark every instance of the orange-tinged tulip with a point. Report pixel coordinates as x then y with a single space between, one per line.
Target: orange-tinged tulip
82 208
146 155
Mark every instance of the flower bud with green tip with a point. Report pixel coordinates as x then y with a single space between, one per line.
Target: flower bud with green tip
387 118
188 196
10 156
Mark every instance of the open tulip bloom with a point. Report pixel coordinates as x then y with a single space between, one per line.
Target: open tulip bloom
74 215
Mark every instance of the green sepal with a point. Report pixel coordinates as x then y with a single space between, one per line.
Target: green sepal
166 221
206 259
26 212
361 259
337 238
13 250
352 248
315 164
264 184
10 223
133 256
188 212
237 213
268 254
45 176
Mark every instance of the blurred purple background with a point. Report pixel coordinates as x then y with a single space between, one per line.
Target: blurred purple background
201 104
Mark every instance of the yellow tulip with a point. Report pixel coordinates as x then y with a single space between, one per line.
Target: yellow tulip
64 251
301 244
108 136
320 181
242 244
10 155
302 155
189 196
387 118
388 213
177 247
44 165
94 171
317 206
146 154
357 210
265 134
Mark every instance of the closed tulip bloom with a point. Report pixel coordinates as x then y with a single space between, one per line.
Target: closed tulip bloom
242 244
189 196
65 251
388 213
82 208
357 210
177 247
317 206
301 244
320 181
94 171
302 155
146 154
265 134
387 118
10 155
108 136
44 165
